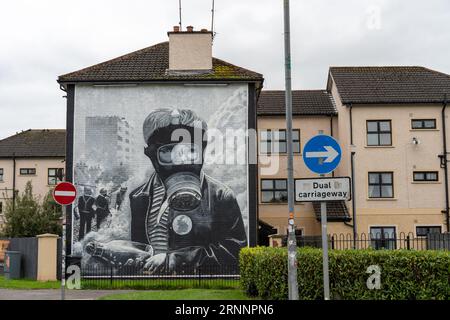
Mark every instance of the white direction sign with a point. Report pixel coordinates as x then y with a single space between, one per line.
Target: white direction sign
322 189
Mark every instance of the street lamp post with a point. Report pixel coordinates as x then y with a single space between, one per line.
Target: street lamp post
292 241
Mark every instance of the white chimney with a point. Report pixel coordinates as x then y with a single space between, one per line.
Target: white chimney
190 50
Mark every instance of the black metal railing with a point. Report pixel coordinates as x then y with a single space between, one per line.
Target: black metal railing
111 277
389 241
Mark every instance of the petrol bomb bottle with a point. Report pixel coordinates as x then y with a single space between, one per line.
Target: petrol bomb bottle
120 252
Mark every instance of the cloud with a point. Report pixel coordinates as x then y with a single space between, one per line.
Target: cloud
43 39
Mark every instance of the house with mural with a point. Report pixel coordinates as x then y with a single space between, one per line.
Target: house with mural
138 128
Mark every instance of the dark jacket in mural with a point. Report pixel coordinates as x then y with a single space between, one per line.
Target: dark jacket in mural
86 211
211 234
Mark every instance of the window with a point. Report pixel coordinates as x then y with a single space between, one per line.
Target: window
273 191
53 178
27 171
1 174
381 185
275 141
423 231
379 133
1 207
423 124
383 238
425 176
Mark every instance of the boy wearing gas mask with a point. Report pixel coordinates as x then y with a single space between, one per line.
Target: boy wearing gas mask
188 218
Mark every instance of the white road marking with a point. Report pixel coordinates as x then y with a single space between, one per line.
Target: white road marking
65 193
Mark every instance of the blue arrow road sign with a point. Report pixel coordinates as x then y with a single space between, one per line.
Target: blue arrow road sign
322 154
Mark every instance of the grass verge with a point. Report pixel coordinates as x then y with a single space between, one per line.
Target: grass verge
185 294
27 284
158 284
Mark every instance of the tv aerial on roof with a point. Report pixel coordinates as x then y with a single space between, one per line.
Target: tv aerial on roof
213 10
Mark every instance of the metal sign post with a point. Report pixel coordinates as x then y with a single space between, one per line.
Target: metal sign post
292 241
322 155
326 277
64 194
63 254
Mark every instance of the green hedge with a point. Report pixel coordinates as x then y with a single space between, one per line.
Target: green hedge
405 274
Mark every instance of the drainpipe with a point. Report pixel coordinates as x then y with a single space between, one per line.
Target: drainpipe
331 125
352 169
352 164
350 106
445 163
14 182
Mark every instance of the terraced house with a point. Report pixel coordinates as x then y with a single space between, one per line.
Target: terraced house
391 123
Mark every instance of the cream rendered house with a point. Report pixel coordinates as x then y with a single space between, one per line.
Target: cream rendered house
390 121
31 155
314 112
393 120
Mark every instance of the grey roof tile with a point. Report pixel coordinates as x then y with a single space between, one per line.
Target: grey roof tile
304 102
151 64
336 211
396 84
35 143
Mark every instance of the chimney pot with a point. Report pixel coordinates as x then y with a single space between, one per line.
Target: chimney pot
204 30
190 28
176 28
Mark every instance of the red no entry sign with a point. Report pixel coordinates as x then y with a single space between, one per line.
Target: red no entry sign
65 193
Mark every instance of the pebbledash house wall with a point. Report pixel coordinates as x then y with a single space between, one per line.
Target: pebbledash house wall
414 203
82 96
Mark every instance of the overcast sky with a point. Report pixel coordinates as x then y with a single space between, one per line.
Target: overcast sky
41 39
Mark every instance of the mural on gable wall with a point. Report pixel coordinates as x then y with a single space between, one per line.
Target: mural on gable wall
154 196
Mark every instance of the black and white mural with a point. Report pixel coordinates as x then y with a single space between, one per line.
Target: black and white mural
162 176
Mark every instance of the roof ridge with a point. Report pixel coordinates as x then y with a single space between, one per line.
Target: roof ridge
31 130
16 134
380 66
46 129
437 72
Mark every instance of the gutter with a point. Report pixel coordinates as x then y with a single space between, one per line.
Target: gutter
444 164
64 83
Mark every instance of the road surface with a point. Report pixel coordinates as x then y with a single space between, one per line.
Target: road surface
55 294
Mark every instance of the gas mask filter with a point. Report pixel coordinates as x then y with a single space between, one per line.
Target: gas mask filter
183 187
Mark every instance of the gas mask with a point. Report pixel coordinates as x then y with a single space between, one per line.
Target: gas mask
179 165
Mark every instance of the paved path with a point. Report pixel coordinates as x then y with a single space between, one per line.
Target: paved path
55 294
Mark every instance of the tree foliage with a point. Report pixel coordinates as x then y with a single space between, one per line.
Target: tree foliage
30 217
